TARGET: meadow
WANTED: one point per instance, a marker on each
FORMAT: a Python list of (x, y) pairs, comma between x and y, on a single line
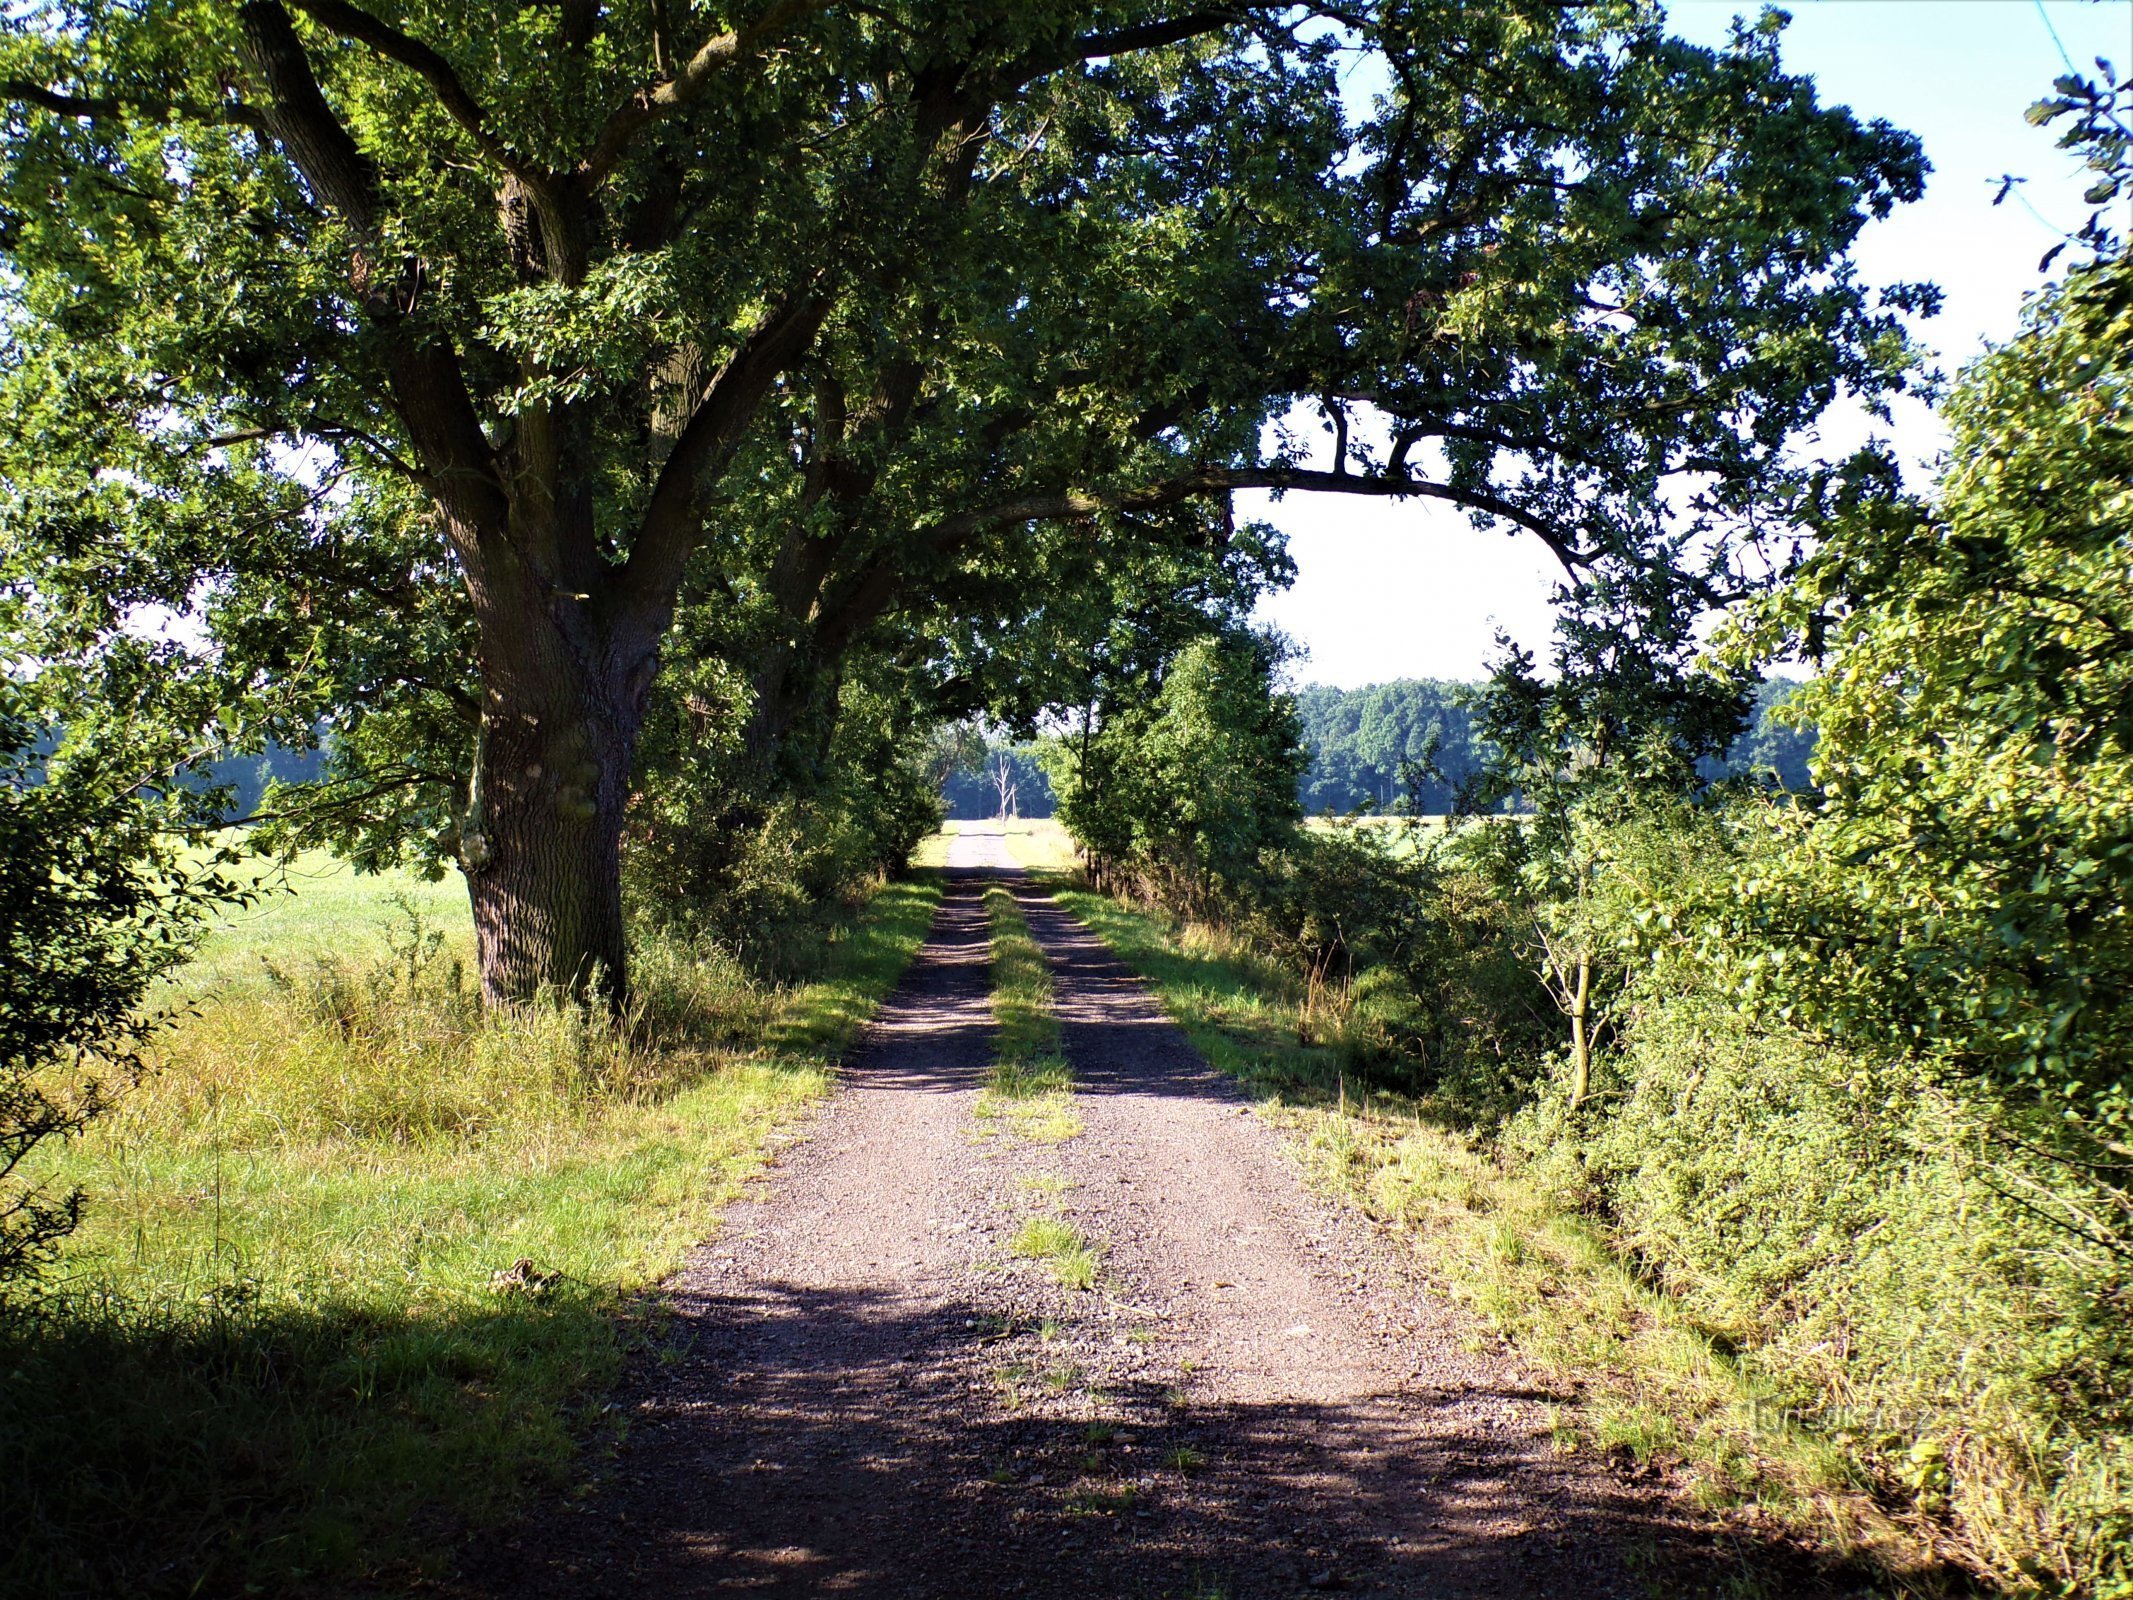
[(360, 1259)]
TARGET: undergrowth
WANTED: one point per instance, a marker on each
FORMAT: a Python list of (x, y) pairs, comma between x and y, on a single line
[(360, 1257), (1651, 1383)]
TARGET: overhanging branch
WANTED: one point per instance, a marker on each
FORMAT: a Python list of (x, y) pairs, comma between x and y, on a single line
[(116, 108), (953, 531), (663, 99)]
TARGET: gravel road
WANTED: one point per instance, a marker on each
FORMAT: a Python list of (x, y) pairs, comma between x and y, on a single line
[(868, 1394)]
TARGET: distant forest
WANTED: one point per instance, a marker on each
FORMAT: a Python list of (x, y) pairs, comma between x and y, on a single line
[(246, 777), (1360, 739)]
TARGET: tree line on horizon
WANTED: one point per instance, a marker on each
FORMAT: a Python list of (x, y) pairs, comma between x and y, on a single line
[(1406, 745)]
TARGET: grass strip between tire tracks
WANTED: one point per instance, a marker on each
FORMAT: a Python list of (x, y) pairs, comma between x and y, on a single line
[(1029, 1088)]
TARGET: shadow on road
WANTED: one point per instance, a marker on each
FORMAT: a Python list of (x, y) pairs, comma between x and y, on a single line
[(803, 1443)]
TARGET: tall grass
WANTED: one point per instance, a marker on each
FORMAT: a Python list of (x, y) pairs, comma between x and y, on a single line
[(361, 1257)]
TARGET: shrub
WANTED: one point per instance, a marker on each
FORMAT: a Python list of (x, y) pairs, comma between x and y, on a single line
[(1178, 798), (94, 907)]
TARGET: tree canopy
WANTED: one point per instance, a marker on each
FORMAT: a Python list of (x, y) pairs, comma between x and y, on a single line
[(408, 370)]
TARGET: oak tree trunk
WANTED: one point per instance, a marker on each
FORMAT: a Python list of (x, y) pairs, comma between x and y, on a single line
[(542, 840)]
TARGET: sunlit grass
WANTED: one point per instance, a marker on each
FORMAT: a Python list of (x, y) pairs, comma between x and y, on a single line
[(318, 905), (1029, 1087), (289, 1338), (1070, 1257)]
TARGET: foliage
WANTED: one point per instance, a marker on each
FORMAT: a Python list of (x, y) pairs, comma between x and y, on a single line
[(95, 906), (1184, 793), (1888, 1247), (432, 362), (1963, 890), (1777, 749), (764, 873)]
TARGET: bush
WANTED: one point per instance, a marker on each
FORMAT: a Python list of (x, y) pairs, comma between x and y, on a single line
[(766, 873), (94, 907), (1910, 1254)]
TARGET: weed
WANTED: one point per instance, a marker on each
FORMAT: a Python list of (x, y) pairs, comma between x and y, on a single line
[(1007, 1383), (1184, 1459), (1101, 1502), (1073, 1260)]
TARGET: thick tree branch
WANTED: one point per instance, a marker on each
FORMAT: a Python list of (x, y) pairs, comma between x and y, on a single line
[(874, 589), (429, 389), (662, 100), (1122, 41), (352, 22), (299, 119), (952, 532), (640, 601), (114, 108)]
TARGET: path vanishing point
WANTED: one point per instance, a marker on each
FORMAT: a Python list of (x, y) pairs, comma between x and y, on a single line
[(866, 1394)]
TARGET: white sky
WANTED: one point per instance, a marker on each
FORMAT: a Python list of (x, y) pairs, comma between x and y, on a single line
[(1389, 590)]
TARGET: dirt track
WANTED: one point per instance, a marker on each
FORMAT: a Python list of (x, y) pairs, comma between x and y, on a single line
[(869, 1396)]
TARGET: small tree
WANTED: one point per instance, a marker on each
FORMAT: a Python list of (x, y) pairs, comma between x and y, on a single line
[(1626, 716), (94, 907), (1185, 790)]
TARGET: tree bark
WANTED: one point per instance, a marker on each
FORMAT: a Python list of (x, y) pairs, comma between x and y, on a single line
[(542, 840), (1580, 1035)]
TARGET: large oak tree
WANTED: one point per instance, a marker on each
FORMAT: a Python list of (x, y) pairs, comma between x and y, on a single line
[(404, 367)]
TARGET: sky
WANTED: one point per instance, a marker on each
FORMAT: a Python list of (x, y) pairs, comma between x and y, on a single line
[(1388, 590)]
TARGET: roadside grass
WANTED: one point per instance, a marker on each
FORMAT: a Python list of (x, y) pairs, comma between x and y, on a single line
[(360, 1259), (1072, 1260), (1028, 1088), (1648, 1384)]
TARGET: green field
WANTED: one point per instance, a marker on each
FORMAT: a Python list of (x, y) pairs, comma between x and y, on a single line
[(317, 906), (359, 1258)]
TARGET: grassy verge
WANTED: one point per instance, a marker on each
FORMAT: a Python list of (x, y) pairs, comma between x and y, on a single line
[(1652, 1387), (1028, 1089), (360, 1259)]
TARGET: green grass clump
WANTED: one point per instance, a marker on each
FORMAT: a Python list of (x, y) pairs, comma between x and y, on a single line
[(1029, 1087), (360, 1258), (1071, 1258)]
